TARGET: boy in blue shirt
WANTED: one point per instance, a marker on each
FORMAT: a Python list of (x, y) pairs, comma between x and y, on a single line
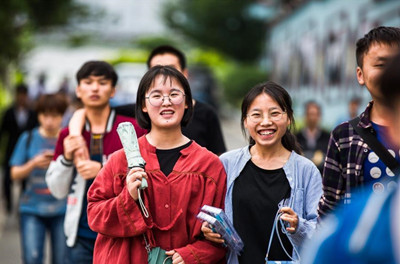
[(39, 211)]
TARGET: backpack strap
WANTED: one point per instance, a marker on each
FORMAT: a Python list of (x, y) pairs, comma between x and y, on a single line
[(376, 146), (28, 143)]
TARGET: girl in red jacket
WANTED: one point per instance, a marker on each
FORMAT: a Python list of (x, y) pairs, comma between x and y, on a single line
[(181, 175)]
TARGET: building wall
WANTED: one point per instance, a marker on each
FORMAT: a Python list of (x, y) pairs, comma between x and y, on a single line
[(312, 52), (125, 18)]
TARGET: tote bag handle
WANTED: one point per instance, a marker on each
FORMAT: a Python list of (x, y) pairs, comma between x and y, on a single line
[(275, 230)]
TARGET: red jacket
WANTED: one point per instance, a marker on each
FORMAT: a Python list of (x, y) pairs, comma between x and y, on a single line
[(173, 202)]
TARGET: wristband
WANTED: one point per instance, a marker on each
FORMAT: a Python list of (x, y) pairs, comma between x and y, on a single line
[(66, 162)]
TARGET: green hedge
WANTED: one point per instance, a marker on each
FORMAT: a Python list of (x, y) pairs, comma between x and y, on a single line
[(239, 80)]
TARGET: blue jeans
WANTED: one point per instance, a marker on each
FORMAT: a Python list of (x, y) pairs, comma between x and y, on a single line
[(81, 252), (33, 234)]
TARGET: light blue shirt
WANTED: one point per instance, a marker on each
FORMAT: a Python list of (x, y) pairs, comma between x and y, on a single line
[(36, 199), (306, 189)]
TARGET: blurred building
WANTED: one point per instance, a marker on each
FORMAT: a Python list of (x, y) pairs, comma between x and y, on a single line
[(311, 50), (123, 19), (112, 27)]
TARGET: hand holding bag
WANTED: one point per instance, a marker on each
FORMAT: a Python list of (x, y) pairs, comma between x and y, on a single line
[(275, 230), (157, 256)]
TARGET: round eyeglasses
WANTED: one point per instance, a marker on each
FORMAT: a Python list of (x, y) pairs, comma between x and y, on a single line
[(157, 99), (257, 117)]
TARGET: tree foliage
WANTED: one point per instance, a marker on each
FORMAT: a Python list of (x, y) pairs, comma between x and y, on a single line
[(239, 80), (11, 30), (226, 26), (20, 18)]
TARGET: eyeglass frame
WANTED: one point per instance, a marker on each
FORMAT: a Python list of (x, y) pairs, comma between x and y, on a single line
[(269, 116), (169, 98)]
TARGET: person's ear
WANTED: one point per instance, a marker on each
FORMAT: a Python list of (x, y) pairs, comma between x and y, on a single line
[(78, 91), (112, 92), (360, 76), (185, 72), (144, 108), (245, 123)]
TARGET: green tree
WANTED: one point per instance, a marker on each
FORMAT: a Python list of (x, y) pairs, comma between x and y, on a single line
[(225, 25), (239, 80), (19, 19)]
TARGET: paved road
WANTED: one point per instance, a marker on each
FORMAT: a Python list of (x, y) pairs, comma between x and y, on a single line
[(10, 252)]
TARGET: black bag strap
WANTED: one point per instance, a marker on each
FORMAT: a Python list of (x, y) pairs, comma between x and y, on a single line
[(376, 146)]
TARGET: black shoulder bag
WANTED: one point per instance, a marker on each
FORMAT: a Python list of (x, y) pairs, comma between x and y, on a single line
[(377, 147)]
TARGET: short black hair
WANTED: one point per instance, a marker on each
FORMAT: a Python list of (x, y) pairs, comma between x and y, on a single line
[(163, 49), (97, 68), (21, 88), (381, 35), (147, 81)]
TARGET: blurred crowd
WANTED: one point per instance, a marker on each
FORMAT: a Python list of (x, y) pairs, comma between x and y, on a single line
[(338, 186)]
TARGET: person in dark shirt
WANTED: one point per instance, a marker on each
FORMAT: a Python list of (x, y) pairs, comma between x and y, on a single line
[(204, 128), (312, 138), (16, 119)]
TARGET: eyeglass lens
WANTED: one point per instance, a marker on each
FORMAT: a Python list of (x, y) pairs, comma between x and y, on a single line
[(157, 98), (258, 117)]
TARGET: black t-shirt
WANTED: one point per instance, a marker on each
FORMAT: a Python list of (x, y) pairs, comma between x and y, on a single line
[(96, 154), (168, 157), (204, 128), (256, 195), (126, 110)]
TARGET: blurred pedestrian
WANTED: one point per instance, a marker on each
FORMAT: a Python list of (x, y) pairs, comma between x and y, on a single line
[(38, 88), (64, 87), (267, 177), (72, 177), (40, 212), (181, 176), (351, 162), (313, 139), (18, 118), (204, 128), (366, 231), (353, 110)]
